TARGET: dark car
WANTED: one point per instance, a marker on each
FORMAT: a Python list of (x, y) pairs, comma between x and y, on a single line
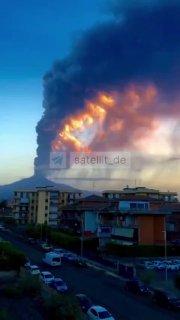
[(59, 285), (80, 263), (166, 299), (70, 257), (176, 242), (137, 287), (31, 241), (84, 302)]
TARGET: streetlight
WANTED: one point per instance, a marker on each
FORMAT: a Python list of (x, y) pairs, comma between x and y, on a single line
[(165, 254), (82, 234)]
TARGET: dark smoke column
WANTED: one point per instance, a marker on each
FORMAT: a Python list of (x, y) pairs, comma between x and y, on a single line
[(142, 48), (61, 97)]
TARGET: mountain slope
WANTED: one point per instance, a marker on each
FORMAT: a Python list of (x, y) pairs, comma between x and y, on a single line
[(6, 191)]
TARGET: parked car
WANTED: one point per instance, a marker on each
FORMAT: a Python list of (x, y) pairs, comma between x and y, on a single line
[(166, 299), (70, 257), (46, 247), (46, 277), (84, 302), (137, 287), (27, 263), (59, 285), (98, 312), (33, 269), (81, 263), (31, 241), (176, 242)]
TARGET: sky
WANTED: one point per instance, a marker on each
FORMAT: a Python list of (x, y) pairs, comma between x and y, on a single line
[(33, 35), (99, 75)]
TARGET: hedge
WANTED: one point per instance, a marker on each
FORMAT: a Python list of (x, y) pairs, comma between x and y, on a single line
[(177, 281), (113, 248), (64, 240), (10, 257)]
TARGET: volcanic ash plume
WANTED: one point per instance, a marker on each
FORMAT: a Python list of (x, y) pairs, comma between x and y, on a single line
[(107, 122), (119, 82)]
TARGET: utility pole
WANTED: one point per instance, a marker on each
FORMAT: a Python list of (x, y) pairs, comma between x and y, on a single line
[(82, 233), (165, 254)]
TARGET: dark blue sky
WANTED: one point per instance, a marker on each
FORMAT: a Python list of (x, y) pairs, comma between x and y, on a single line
[(33, 35), (142, 47)]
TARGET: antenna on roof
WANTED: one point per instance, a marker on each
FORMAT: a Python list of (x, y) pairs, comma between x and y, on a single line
[(93, 185)]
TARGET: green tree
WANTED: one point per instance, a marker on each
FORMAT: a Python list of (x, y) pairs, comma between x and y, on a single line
[(177, 281), (62, 307), (3, 204)]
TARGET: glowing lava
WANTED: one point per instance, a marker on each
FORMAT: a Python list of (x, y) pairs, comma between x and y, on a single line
[(109, 121)]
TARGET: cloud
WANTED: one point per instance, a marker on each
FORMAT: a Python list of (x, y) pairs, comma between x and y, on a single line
[(138, 45)]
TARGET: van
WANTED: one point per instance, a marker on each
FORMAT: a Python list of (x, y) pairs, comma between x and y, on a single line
[(52, 259)]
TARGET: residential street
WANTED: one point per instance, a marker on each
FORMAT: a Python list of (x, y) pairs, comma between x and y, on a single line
[(105, 290)]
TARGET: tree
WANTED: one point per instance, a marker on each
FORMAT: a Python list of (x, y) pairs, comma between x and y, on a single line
[(3, 204)]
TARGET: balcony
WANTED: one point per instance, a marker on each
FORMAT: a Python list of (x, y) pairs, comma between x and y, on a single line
[(53, 216), (119, 224), (54, 202), (54, 197), (143, 211)]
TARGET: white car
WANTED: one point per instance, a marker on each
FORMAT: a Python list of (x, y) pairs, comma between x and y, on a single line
[(149, 265), (98, 312), (46, 277), (33, 269), (27, 264)]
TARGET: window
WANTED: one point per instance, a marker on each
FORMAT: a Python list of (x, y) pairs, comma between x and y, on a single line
[(56, 259), (104, 315), (133, 205), (46, 200), (94, 312), (46, 214), (32, 207), (46, 207)]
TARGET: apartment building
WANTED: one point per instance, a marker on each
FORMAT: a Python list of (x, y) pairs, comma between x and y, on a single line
[(143, 214), (141, 192), (135, 222), (84, 214), (127, 219), (42, 205)]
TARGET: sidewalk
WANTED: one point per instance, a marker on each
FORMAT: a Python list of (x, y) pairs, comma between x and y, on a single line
[(166, 285), (107, 270)]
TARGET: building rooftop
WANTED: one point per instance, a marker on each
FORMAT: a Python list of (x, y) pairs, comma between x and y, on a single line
[(48, 189), (140, 190), (133, 190)]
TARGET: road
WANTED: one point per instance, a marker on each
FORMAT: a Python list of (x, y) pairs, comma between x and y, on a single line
[(103, 289)]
